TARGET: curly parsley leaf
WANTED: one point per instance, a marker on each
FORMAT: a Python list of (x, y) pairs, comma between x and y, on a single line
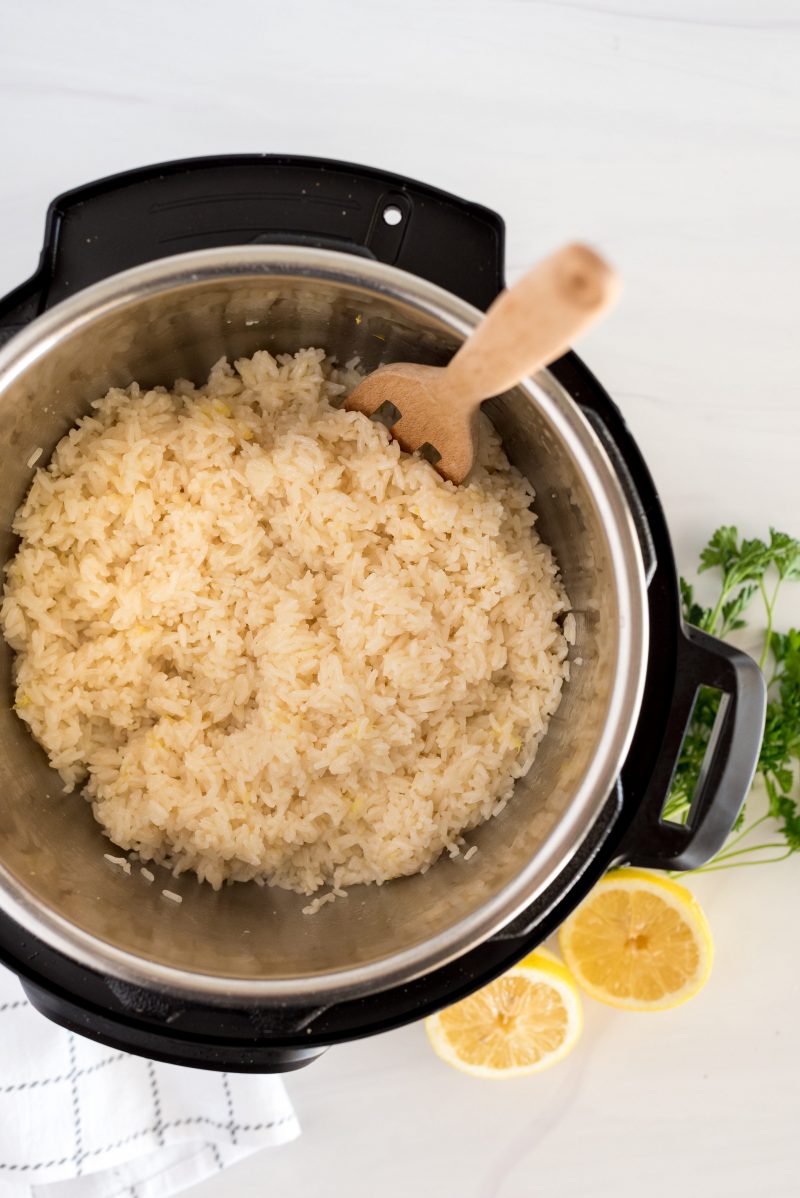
[(785, 552)]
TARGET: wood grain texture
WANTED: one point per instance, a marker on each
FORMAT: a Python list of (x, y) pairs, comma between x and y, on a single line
[(665, 131)]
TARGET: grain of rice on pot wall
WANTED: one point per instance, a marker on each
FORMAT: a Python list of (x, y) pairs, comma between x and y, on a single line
[(270, 645)]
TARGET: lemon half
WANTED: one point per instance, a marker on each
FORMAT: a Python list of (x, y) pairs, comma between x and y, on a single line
[(639, 941), (519, 1024)]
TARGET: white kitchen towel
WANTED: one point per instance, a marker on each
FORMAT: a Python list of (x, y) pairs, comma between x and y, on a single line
[(79, 1120)]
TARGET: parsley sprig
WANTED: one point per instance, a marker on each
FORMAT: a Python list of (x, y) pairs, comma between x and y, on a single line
[(748, 568)]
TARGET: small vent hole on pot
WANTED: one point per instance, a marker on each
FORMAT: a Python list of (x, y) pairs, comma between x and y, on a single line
[(697, 751), (392, 214)]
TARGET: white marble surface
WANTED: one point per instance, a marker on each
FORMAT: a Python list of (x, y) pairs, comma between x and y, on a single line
[(666, 130)]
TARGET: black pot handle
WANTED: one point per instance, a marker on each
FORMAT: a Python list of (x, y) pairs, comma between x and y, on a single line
[(202, 203), (729, 765)]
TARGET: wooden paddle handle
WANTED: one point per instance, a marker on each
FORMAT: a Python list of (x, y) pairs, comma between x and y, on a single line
[(531, 324)]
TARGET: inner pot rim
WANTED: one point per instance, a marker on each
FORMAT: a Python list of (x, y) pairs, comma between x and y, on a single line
[(199, 267)]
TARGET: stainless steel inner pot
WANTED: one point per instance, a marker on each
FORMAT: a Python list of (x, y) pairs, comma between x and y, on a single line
[(174, 318)]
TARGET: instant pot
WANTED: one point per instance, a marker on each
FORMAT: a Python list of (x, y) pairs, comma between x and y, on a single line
[(153, 275)]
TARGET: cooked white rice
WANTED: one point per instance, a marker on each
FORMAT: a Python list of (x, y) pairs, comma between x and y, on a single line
[(271, 645)]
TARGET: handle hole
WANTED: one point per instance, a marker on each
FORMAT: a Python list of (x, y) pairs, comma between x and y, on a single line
[(430, 453), (392, 215), (387, 414), (696, 753)]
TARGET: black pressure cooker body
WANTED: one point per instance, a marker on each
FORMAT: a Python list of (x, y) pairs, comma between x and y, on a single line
[(158, 211)]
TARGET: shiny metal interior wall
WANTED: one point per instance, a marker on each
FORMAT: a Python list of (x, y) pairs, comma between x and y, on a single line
[(174, 319)]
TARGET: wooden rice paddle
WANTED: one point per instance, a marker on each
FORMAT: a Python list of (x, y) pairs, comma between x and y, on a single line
[(435, 408)]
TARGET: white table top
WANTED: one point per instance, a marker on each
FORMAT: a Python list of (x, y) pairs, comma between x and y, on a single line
[(666, 131)]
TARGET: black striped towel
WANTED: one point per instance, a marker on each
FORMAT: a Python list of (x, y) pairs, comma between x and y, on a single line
[(78, 1120)]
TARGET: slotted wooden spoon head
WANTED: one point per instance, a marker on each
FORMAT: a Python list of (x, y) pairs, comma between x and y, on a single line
[(434, 409), (407, 398)]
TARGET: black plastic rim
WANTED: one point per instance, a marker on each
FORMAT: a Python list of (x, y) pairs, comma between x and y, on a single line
[(458, 245)]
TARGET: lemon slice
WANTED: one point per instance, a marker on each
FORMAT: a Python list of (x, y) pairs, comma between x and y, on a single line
[(520, 1023), (639, 941)]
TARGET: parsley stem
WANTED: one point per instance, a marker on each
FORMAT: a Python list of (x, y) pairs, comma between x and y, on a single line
[(712, 623), (675, 802), (713, 867), (753, 848), (729, 845), (746, 831), (770, 606)]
